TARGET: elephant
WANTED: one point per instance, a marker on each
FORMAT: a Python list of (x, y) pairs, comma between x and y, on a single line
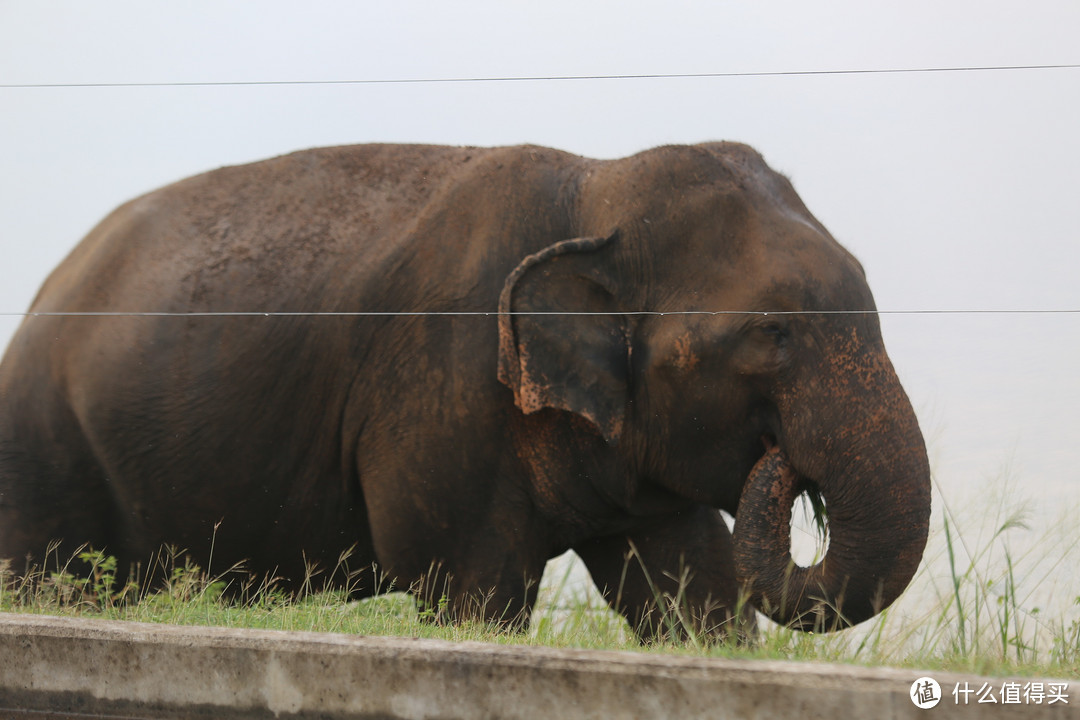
[(457, 363)]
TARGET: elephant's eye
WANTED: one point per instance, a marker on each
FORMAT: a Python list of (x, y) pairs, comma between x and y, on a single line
[(774, 330), (764, 349)]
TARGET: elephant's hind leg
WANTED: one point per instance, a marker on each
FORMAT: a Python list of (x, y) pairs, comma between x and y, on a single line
[(49, 504)]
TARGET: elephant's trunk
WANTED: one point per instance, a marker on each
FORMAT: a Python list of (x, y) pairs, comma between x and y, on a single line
[(872, 471)]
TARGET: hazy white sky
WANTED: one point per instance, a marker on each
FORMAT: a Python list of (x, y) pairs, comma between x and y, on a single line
[(957, 190)]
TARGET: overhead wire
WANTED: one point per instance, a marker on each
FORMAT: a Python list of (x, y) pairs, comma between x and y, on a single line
[(496, 313), (545, 78)]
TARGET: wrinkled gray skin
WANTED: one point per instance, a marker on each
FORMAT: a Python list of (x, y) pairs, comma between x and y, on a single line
[(459, 452)]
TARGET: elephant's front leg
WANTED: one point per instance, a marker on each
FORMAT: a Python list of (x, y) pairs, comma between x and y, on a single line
[(476, 562), (500, 591), (673, 578)]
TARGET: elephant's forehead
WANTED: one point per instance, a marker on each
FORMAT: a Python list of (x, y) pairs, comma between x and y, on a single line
[(776, 263), (681, 185), (713, 227)]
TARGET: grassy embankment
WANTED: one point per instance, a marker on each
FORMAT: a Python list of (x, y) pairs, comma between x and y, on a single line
[(970, 609)]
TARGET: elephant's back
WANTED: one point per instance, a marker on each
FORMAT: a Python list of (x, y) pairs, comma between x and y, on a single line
[(266, 236), (307, 231)]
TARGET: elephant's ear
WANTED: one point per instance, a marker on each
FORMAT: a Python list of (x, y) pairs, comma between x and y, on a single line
[(562, 342)]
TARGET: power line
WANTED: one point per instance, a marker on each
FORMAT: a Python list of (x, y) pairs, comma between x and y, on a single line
[(495, 313), (544, 78)]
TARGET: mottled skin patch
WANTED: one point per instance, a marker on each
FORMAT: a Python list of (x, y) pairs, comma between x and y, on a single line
[(521, 408), (685, 359)]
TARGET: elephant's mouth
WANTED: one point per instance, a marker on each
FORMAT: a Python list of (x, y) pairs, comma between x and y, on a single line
[(763, 538), (790, 482)]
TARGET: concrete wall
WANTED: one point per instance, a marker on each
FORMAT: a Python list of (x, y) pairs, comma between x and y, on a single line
[(70, 667)]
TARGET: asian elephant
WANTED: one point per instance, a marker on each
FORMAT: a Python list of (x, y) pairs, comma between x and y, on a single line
[(462, 362)]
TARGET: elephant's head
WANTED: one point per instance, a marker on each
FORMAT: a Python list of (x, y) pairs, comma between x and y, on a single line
[(764, 377)]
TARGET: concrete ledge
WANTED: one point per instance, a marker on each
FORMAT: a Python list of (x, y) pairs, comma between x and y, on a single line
[(69, 667)]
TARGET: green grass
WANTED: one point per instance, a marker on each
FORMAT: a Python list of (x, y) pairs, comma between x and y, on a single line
[(970, 609)]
